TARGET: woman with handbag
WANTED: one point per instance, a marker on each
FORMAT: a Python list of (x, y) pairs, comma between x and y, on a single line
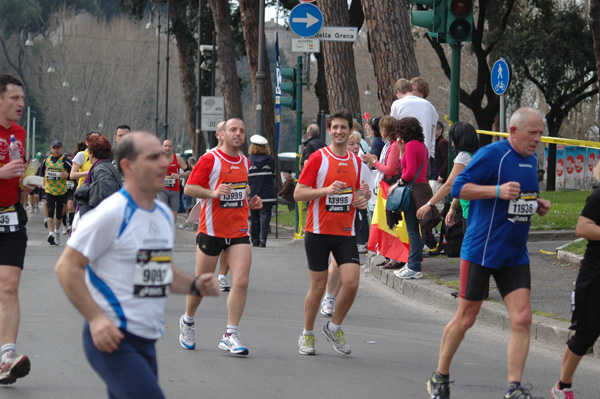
[(414, 158), (465, 141), (382, 238)]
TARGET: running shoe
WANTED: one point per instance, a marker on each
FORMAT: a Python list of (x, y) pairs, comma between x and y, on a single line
[(57, 238), (407, 273), (306, 345), (519, 393), (558, 393), (231, 343), (337, 339), (14, 367), (187, 334), (65, 229), (223, 285), (438, 387), (51, 238), (327, 306), (362, 248)]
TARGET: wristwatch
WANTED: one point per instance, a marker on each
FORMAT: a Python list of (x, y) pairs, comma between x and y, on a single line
[(429, 203)]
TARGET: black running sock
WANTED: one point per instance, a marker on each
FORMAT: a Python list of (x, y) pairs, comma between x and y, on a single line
[(513, 386), (562, 385), (64, 220), (71, 217)]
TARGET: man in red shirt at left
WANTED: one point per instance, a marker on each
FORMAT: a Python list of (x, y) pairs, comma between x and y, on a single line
[(13, 237)]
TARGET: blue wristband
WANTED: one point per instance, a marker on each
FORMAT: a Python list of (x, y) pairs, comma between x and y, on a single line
[(497, 191)]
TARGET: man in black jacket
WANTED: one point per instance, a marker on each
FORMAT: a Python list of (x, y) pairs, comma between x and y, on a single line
[(312, 144)]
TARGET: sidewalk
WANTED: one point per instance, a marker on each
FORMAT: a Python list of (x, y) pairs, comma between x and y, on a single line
[(552, 285)]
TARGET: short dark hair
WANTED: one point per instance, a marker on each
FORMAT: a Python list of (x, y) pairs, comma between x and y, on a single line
[(341, 114), (6, 80), (123, 127), (464, 137), (126, 149), (100, 147), (440, 126), (374, 123), (409, 129)]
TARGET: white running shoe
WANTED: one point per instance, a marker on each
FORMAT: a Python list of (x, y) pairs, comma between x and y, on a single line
[(409, 274), (306, 345), (13, 367), (327, 306), (337, 339), (65, 229), (233, 344), (51, 238), (187, 334), (57, 238), (223, 285)]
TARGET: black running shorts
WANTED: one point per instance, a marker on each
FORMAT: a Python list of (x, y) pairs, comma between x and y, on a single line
[(318, 247), (213, 246), (13, 245), (475, 280)]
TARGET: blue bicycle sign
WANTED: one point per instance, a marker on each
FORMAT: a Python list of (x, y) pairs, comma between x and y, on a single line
[(500, 76)]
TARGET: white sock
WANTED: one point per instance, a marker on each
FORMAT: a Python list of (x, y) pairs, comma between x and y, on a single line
[(221, 276), (6, 348), (231, 329), (333, 327), (187, 319), (329, 295), (306, 332)]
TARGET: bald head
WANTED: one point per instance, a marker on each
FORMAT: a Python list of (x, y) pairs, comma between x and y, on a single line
[(168, 147), (128, 146), (312, 130)]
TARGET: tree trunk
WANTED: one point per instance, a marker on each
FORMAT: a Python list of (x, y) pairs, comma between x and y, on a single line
[(321, 86), (187, 49), (228, 77), (391, 46), (595, 27), (342, 88), (249, 10)]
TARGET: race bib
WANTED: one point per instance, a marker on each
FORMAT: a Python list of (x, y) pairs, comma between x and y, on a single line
[(153, 274), (521, 209), (70, 184), (339, 202), (170, 182), (52, 174), (9, 220), (236, 198)]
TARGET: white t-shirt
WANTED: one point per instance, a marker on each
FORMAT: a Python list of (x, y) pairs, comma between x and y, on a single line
[(421, 109), (79, 158), (129, 249), (463, 158)]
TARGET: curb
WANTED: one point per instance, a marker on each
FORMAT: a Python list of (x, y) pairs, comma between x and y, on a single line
[(543, 329), (568, 257)]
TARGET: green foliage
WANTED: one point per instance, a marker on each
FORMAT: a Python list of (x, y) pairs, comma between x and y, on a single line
[(33, 15), (577, 247), (550, 44)]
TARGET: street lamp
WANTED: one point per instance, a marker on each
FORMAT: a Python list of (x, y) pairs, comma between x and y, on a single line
[(100, 125), (51, 68), (151, 26), (368, 91), (88, 113), (66, 82), (74, 98), (29, 41)]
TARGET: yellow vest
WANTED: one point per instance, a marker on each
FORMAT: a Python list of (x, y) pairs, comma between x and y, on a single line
[(87, 165), (53, 183)]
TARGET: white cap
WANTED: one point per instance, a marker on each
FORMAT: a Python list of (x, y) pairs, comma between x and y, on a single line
[(258, 140)]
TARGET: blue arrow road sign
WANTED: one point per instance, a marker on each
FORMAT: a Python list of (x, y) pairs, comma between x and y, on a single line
[(306, 20), (500, 76)]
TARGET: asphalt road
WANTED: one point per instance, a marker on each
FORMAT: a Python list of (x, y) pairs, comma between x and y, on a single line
[(394, 341)]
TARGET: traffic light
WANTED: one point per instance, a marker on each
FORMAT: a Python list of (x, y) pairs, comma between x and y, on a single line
[(460, 20), (289, 87), (434, 19)]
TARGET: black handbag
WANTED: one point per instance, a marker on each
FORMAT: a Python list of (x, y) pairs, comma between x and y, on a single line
[(399, 200)]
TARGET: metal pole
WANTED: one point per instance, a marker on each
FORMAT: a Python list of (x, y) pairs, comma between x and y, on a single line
[(260, 74), (157, 73), (199, 81), (213, 68), (454, 97), (502, 114), (28, 130), (33, 140), (298, 132), (167, 77)]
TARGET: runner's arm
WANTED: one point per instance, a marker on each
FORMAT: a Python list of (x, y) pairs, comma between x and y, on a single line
[(206, 283), (507, 191), (588, 229), (105, 334), (307, 193)]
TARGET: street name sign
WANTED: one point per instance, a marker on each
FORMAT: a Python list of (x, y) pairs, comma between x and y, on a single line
[(306, 46), (337, 34), (306, 20)]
